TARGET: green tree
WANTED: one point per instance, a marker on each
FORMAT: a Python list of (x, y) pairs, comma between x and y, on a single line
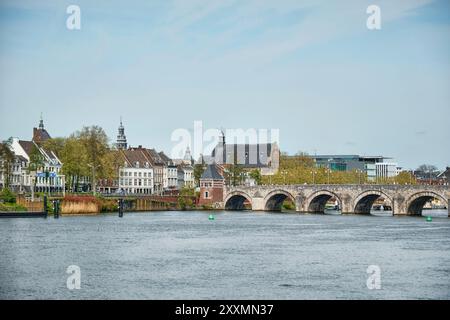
[(6, 160), (255, 174), (7, 196), (74, 159), (198, 171), (55, 144), (95, 144), (35, 164), (111, 163), (185, 198), (405, 177)]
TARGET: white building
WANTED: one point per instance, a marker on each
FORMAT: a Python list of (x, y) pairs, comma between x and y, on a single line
[(48, 176), (185, 176), (19, 180), (399, 170), (170, 174), (386, 169), (136, 176)]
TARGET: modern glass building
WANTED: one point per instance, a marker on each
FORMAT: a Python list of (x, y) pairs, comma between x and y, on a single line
[(367, 164)]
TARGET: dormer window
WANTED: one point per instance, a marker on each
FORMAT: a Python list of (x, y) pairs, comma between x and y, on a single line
[(147, 164), (136, 164)]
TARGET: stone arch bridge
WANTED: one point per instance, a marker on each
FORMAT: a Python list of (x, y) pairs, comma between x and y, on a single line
[(404, 199)]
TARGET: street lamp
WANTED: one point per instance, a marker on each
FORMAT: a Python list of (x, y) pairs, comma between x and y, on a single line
[(314, 176), (284, 173), (329, 169)]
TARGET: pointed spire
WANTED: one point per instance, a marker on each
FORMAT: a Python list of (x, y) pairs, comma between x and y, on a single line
[(41, 122), (187, 156), (222, 137), (121, 138)]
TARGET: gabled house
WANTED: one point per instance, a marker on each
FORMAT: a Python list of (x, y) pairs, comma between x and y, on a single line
[(158, 170), (48, 176), (170, 174), (136, 176)]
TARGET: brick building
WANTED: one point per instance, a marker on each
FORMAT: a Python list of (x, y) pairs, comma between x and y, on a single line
[(211, 186)]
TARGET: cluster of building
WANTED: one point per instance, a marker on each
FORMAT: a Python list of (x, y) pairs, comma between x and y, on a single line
[(48, 177), (146, 171), (143, 171)]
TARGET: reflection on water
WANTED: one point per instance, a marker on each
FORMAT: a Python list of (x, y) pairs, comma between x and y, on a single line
[(239, 255)]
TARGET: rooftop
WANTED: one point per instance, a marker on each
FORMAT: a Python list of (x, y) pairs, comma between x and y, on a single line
[(211, 173)]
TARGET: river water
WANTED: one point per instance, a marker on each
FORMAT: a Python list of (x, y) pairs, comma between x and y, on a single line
[(239, 255)]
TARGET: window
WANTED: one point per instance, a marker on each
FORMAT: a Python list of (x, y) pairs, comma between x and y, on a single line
[(206, 194)]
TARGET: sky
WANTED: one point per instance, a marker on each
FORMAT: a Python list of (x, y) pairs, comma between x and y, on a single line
[(311, 69)]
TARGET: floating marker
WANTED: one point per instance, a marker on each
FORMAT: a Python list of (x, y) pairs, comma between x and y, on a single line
[(429, 219), (211, 217)]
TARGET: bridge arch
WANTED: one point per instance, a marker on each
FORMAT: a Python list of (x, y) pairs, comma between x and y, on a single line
[(364, 201), (274, 199), (317, 201), (236, 200), (415, 203)]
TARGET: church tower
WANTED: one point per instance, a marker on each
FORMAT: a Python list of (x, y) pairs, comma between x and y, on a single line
[(40, 135), (121, 138), (187, 156)]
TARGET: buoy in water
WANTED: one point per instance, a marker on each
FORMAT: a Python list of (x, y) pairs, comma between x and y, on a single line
[(429, 219), (211, 217)]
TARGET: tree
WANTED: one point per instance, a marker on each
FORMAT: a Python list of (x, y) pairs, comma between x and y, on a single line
[(198, 171), (74, 159), (55, 144), (111, 163), (405, 177), (36, 163), (429, 171), (95, 144), (255, 174), (7, 196), (6, 160), (185, 198)]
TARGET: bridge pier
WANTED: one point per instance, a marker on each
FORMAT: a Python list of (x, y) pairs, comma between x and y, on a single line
[(399, 206), (258, 204), (347, 207), (301, 205)]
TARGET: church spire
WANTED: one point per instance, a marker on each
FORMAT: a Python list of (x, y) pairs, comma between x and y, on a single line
[(121, 138), (222, 137), (41, 123)]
